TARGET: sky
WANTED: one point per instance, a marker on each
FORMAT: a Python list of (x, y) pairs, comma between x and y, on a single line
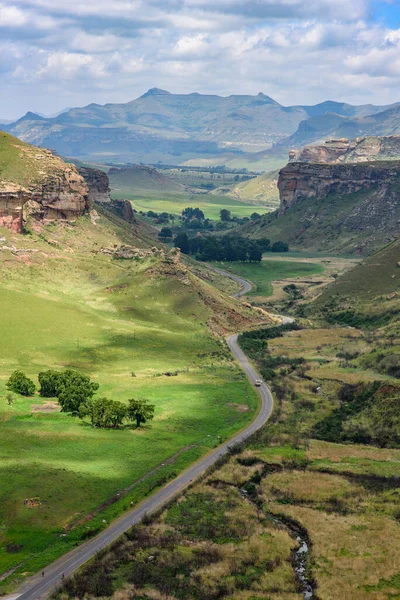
[(63, 53)]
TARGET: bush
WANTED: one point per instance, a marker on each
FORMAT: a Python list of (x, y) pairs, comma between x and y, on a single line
[(20, 383), (70, 387)]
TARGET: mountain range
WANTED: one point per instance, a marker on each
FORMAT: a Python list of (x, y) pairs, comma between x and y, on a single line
[(240, 130)]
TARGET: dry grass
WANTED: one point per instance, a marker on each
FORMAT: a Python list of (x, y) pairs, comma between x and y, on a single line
[(337, 452), (350, 552)]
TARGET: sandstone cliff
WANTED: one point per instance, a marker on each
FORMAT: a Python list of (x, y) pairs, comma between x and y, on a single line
[(301, 181), (35, 181), (98, 184), (362, 149)]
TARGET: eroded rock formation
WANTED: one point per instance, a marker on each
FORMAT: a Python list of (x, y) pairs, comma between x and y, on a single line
[(33, 180), (98, 184), (362, 149), (301, 181)]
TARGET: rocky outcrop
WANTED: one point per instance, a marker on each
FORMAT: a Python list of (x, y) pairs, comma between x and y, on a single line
[(301, 181), (126, 252), (123, 209), (330, 152), (63, 195), (98, 184), (362, 149), (34, 181)]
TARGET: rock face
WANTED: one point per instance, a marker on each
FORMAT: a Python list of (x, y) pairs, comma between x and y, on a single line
[(34, 181), (301, 180), (362, 149), (123, 209), (98, 184)]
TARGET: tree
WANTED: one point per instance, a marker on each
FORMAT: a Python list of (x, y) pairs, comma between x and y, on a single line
[(255, 254), (279, 247), (254, 216), (225, 214), (103, 412), (74, 389), (190, 213), (264, 244), (140, 411), (182, 241), (165, 232), (49, 383), (20, 383)]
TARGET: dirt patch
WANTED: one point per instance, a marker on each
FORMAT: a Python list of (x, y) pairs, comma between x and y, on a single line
[(47, 407), (241, 408)]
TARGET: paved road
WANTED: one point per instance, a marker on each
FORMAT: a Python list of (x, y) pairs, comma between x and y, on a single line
[(38, 587), (246, 285)]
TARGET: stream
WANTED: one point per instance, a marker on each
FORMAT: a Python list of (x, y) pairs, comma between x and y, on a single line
[(301, 556)]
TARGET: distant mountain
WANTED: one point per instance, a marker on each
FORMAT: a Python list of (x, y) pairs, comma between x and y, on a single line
[(320, 127), (176, 128)]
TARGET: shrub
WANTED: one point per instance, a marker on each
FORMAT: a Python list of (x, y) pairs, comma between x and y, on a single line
[(20, 383)]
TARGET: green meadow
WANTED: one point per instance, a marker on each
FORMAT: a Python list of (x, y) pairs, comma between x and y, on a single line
[(137, 332), (175, 203), (263, 274)]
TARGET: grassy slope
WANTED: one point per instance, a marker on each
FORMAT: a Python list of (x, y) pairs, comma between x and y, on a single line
[(22, 164), (143, 178), (368, 293), (320, 225), (68, 305), (262, 189)]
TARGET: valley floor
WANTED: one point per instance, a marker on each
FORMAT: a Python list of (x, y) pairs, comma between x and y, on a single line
[(237, 534), (138, 333)]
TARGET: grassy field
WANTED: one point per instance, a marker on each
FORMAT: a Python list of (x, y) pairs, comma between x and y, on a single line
[(126, 324), (262, 275), (210, 204), (219, 542)]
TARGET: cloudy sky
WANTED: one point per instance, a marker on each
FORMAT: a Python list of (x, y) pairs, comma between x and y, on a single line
[(63, 53)]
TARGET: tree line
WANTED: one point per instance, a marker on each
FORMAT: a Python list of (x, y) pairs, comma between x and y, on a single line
[(227, 248), (75, 392)]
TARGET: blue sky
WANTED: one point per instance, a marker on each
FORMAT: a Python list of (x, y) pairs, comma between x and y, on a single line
[(62, 53), (387, 12)]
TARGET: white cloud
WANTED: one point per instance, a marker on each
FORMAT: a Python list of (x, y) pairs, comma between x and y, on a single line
[(65, 52)]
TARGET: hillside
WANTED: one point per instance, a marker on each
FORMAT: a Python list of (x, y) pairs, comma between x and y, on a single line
[(261, 190), (174, 128), (97, 296), (344, 208), (142, 178), (370, 290)]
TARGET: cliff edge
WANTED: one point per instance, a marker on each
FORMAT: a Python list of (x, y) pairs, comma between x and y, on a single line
[(34, 180)]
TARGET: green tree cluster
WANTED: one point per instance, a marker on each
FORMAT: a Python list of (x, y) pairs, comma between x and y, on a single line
[(104, 412), (227, 248), (70, 387), (20, 383), (75, 395)]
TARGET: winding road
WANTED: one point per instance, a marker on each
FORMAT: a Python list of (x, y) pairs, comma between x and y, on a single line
[(41, 585)]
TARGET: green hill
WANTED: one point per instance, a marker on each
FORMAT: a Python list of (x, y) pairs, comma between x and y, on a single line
[(262, 189), (140, 327), (142, 178), (369, 293)]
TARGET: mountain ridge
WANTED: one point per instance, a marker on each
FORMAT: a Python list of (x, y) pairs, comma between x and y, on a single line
[(177, 128)]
